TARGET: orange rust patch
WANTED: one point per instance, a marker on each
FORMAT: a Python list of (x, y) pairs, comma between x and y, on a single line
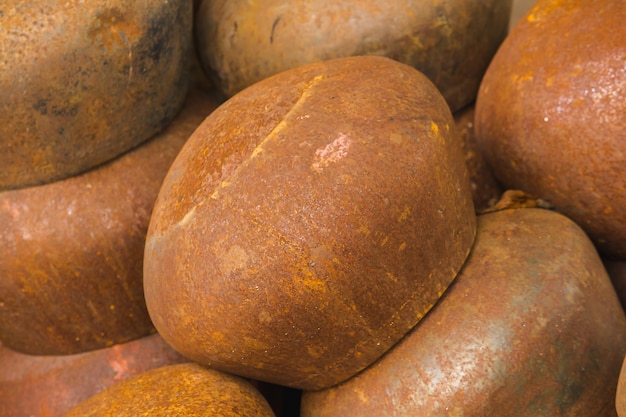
[(111, 29)]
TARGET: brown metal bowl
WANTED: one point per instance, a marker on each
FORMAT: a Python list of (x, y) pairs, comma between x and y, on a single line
[(177, 390), (72, 250), (451, 41), (551, 114), (530, 327), (309, 223), (84, 82), (49, 386)]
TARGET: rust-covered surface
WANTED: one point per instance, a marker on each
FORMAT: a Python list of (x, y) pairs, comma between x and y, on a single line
[(516, 199), (49, 386), (530, 327), (71, 252), (309, 223), (177, 390), (84, 82), (551, 114), (451, 41), (485, 189)]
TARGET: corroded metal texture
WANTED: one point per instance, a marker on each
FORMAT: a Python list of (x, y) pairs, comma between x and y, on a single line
[(551, 114), (485, 188), (309, 223), (84, 82), (71, 251), (531, 327), (49, 386), (177, 390), (451, 41)]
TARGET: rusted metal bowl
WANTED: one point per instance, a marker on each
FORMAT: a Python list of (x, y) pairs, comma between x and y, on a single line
[(309, 223), (71, 251), (485, 188), (83, 82), (530, 327), (551, 114), (451, 41), (177, 390), (49, 386)]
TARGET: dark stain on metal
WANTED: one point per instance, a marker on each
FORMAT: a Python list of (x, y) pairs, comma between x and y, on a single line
[(274, 28)]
